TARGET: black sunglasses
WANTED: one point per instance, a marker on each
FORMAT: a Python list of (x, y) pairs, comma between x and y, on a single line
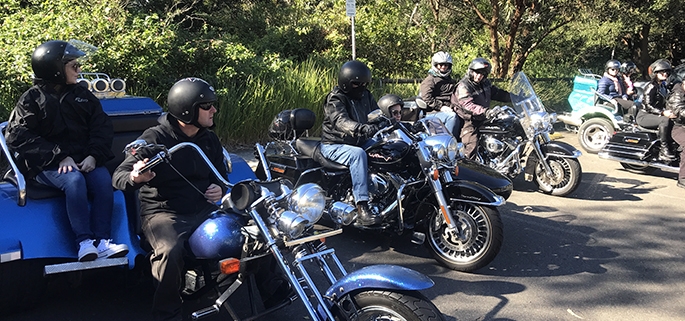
[(207, 106), (397, 112), (360, 84)]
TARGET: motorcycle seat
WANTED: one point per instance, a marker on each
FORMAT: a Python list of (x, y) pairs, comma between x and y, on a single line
[(312, 148)]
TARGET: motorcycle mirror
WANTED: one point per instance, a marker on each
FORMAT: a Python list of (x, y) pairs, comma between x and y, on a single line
[(374, 115), (422, 104), (133, 146)]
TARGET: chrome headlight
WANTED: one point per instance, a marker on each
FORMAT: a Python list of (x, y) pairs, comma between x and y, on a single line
[(309, 201), (292, 224), (443, 147)]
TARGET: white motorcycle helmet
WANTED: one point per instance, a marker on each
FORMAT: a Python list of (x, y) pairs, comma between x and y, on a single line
[(441, 57)]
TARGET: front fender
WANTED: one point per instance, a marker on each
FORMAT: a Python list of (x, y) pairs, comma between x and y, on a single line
[(384, 277), (472, 192), (560, 149), (473, 171)]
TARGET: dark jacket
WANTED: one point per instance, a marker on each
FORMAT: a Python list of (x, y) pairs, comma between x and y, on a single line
[(654, 98), (168, 192), (344, 117), (472, 99), (436, 91), (46, 127), (607, 86), (676, 103)]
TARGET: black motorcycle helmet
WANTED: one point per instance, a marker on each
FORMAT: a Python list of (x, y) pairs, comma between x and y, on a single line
[(186, 95), (481, 66), (354, 72), (659, 65), (628, 68), (612, 64), (49, 58), (388, 101)]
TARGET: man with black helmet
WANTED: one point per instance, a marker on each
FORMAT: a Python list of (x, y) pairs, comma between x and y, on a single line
[(437, 89), (62, 138), (472, 99), (170, 207), (653, 113), (345, 129)]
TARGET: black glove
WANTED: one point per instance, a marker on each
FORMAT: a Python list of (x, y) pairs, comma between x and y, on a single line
[(368, 130)]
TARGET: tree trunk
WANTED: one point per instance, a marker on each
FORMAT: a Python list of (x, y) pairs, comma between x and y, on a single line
[(642, 51), (494, 40)]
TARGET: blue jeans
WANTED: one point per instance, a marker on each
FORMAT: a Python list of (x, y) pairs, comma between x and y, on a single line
[(88, 221), (448, 118), (355, 158)]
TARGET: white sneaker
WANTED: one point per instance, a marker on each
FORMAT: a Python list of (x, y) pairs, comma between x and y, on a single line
[(109, 250), (87, 251)]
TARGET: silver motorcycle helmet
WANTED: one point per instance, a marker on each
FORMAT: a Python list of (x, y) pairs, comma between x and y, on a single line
[(441, 57), (218, 237)]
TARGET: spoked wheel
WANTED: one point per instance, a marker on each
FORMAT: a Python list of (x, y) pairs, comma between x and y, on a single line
[(566, 173), (475, 242), (389, 306), (594, 133), (642, 169)]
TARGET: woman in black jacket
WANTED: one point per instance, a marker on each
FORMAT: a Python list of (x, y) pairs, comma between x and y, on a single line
[(653, 114), (676, 104), (62, 138)]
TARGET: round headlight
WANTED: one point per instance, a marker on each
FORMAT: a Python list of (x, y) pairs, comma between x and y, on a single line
[(292, 224), (452, 149), (308, 200)]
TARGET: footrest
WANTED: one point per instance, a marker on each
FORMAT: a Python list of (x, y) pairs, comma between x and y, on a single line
[(81, 266)]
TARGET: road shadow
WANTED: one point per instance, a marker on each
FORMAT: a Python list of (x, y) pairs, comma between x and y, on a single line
[(546, 246), (598, 186)]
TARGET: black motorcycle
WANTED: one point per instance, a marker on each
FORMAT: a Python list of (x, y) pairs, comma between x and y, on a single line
[(637, 149), (260, 248), (412, 186), (515, 140)]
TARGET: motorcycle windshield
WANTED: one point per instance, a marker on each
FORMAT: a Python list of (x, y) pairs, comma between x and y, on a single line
[(534, 117)]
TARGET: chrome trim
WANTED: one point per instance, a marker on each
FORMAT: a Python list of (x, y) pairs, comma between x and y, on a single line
[(18, 176), (10, 256), (661, 166), (82, 266)]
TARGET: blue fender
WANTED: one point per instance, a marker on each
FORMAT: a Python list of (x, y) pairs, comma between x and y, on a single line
[(383, 277)]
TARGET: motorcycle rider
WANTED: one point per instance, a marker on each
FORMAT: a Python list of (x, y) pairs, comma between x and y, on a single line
[(653, 113), (613, 85), (62, 138), (676, 104), (170, 207), (391, 106), (436, 90), (472, 99), (345, 129), (628, 69)]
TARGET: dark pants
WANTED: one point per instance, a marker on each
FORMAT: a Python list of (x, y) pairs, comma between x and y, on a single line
[(661, 123), (678, 134), (469, 137), (168, 235)]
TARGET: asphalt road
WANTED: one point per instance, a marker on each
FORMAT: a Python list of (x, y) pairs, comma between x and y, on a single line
[(613, 250)]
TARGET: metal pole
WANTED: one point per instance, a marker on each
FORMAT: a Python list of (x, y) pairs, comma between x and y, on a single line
[(354, 50)]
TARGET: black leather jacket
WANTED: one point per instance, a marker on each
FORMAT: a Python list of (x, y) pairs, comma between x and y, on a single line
[(344, 117), (676, 103), (46, 127), (654, 98), (472, 100)]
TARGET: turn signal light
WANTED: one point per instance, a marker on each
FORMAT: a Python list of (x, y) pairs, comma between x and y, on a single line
[(229, 266), (456, 170), (436, 174)]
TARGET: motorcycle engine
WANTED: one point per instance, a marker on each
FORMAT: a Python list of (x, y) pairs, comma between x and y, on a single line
[(496, 149)]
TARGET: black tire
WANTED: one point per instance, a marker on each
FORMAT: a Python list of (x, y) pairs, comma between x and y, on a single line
[(479, 242), (21, 285), (640, 169), (594, 133), (567, 175), (390, 305)]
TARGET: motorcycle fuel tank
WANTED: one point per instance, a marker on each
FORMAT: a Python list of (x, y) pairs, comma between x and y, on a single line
[(388, 154), (499, 126)]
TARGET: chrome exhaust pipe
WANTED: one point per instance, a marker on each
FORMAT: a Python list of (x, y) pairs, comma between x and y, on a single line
[(661, 166)]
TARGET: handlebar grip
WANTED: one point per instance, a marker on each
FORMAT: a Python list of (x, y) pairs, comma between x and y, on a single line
[(159, 158)]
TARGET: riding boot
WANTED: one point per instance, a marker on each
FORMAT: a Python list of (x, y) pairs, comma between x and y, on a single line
[(365, 216), (665, 153), (681, 183)]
